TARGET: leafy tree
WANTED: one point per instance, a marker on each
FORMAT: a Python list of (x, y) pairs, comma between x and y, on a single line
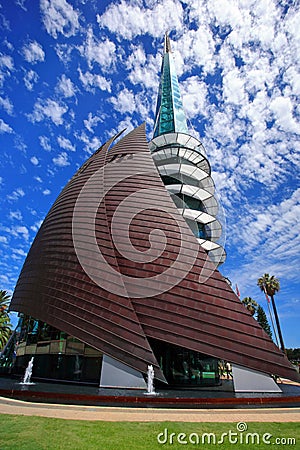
[(5, 325), (255, 309), (270, 285), (250, 304), (293, 354), (4, 301), (261, 318), (5, 331)]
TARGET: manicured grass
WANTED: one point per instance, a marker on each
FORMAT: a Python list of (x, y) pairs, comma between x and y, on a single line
[(37, 433)]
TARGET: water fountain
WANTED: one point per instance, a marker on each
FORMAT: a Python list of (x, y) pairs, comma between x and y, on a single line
[(28, 373), (150, 378)]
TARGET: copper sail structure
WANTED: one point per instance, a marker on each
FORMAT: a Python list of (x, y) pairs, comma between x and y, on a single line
[(117, 303), (117, 265)]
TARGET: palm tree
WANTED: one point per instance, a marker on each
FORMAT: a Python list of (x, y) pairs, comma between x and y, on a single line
[(270, 285), (5, 330), (5, 325), (250, 304), (4, 301)]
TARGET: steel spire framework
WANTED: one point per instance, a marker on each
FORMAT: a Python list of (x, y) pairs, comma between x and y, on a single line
[(182, 163), (170, 116)]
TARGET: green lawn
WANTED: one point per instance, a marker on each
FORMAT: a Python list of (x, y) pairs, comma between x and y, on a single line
[(36, 433)]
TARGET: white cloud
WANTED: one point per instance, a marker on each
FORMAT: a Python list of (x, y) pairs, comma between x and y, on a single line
[(66, 144), (45, 143), (15, 215), (91, 145), (20, 144), (59, 17), (276, 223), (16, 194), (124, 102), (20, 231), (36, 226), (4, 127), (194, 96), (91, 81), (19, 252), (91, 122), (66, 87), (195, 48), (291, 76), (282, 109), (268, 239), (48, 109), (21, 3), (6, 104), (38, 179), (3, 239), (143, 69), (64, 52), (4, 279), (95, 51), (34, 160), (30, 78), (126, 124), (233, 88), (61, 160), (128, 19), (6, 62), (33, 52), (46, 192)]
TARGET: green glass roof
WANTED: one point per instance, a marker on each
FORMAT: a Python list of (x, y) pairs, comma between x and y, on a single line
[(170, 116)]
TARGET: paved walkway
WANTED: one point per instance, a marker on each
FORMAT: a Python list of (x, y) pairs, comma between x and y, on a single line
[(79, 412)]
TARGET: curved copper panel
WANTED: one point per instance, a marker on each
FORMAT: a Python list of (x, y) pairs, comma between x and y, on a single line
[(115, 263), (54, 288)]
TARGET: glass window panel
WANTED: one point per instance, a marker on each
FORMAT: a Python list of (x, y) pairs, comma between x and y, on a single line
[(182, 152), (152, 146), (160, 140), (43, 347), (182, 138), (168, 152), (171, 138), (188, 154), (58, 347), (193, 143), (30, 349), (90, 351), (74, 347), (21, 350)]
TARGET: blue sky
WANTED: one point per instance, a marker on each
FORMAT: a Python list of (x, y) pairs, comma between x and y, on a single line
[(72, 73)]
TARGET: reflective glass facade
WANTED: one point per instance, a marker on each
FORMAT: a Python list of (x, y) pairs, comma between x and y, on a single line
[(57, 356), (186, 368), (170, 116)]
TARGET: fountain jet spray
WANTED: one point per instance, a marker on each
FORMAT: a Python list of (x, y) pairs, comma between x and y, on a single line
[(28, 373)]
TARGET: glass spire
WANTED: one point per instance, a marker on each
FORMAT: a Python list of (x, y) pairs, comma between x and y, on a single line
[(170, 116)]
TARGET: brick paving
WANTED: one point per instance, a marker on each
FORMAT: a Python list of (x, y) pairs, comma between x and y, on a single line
[(121, 414)]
